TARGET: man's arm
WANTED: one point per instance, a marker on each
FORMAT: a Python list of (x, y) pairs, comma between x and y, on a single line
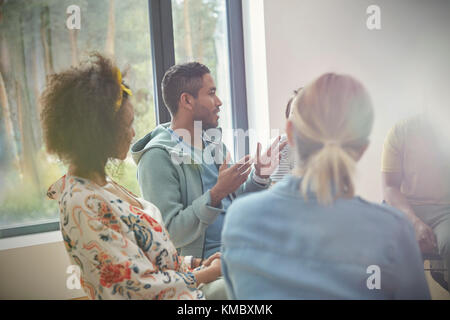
[(392, 195), (391, 182), (160, 184), (392, 176)]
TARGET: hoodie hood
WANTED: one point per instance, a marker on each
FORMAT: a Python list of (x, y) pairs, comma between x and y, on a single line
[(160, 137)]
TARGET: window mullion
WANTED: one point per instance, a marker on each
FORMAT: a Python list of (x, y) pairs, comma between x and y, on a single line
[(237, 72), (163, 51)]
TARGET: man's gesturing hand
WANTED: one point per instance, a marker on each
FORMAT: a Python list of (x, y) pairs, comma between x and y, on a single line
[(267, 163), (230, 179)]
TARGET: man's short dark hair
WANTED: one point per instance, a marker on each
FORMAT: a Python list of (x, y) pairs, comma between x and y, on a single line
[(180, 78), (287, 112)]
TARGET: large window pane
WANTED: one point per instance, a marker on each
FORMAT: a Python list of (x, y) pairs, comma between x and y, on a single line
[(35, 42), (200, 34)]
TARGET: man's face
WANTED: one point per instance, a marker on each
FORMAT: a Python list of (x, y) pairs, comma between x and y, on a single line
[(206, 106)]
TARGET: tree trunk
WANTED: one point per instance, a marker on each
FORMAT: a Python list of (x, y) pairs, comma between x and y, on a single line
[(109, 45), (46, 38), (200, 43), (5, 65), (28, 155), (5, 71), (73, 34), (26, 122), (9, 128), (35, 80), (187, 28)]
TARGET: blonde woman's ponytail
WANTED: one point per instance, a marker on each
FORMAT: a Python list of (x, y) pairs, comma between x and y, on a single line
[(329, 172), (332, 118)]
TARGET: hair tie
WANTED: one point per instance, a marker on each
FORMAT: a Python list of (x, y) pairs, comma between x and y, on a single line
[(122, 89)]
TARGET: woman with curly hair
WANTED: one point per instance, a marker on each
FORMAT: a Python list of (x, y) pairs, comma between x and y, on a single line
[(117, 239)]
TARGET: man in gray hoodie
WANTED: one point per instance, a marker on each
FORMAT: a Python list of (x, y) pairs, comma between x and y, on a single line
[(184, 168)]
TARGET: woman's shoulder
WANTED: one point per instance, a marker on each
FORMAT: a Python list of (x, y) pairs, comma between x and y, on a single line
[(381, 213), (283, 190), (68, 187), (250, 207), (81, 194)]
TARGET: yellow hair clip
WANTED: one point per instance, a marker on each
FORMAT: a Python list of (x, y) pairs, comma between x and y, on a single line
[(122, 88)]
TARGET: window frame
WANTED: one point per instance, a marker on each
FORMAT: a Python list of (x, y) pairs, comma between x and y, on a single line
[(30, 228), (238, 85), (163, 51), (163, 57)]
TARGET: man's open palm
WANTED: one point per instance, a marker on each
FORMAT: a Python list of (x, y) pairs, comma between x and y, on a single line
[(266, 163)]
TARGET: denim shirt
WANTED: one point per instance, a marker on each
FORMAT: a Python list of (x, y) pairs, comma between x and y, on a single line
[(276, 245)]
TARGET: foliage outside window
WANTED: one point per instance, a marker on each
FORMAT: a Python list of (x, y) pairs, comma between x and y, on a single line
[(35, 42)]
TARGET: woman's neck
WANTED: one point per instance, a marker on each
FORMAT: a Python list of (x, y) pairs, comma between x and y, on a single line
[(96, 177)]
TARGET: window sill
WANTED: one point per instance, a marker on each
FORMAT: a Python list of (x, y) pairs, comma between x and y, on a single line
[(30, 240)]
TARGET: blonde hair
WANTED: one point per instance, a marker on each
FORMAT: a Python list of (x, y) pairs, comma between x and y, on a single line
[(333, 118)]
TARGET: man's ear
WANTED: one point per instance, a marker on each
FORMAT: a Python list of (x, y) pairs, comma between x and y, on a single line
[(186, 101), (290, 132)]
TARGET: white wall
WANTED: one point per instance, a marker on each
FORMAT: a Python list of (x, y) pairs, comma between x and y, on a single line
[(305, 38), (35, 268), (256, 71)]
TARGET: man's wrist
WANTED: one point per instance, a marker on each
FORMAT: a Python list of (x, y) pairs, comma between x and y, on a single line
[(260, 180), (411, 215), (215, 197)]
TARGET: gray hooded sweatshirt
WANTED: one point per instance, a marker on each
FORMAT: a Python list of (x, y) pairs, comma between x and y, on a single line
[(175, 186)]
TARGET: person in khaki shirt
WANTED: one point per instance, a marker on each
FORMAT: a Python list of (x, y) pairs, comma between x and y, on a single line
[(416, 179)]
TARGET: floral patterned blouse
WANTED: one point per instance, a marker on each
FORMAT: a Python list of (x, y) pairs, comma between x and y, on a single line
[(124, 252)]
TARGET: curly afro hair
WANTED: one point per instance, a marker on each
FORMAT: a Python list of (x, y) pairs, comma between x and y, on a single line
[(78, 117)]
